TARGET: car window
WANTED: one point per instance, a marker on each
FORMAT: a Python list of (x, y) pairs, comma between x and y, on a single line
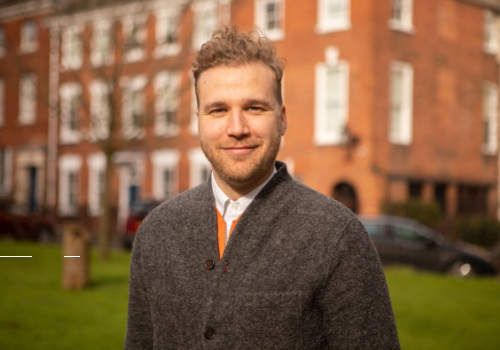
[(406, 233), (374, 229)]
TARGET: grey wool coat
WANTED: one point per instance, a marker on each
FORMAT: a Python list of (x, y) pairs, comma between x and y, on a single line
[(299, 272)]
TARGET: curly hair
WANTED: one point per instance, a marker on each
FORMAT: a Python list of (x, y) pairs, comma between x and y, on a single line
[(229, 47)]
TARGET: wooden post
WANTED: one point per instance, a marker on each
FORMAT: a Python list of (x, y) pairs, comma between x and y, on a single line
[(76, 248)]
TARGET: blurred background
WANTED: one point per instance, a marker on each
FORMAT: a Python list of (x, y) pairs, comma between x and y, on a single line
[(392, 109)]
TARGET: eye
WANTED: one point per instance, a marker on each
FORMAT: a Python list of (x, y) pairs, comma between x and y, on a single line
[(217, 111), (255, 109)]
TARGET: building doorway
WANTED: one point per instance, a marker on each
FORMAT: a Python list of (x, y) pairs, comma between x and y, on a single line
[(345, 194)]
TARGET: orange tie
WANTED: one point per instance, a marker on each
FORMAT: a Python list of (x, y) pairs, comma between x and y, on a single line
[(221, 232)]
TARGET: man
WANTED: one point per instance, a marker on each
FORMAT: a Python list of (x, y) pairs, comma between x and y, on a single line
[(252, 259)]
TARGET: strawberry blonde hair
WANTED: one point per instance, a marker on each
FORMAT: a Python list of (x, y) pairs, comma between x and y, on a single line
[(229, 47)]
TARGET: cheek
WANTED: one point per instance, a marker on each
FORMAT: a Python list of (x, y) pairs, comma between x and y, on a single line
[(211, 130)]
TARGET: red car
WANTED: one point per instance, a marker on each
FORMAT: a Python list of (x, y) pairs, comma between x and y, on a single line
[(16, 221), (138, 213)]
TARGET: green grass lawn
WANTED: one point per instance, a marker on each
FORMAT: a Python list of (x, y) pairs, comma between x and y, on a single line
[(432, 311)]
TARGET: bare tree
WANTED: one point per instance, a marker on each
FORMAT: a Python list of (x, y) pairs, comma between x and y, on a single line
[(128, 57)]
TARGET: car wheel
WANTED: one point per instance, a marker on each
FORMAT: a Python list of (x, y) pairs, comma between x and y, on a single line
[(461, 269)]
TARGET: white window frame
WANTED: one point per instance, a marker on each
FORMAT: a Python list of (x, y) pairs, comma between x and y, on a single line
[(167, 21), (100, 110), (490, 118), (167, 98), (130, 24), (2, 102), (402, 135), (327, 24), (405, 22), (97, 166), (6, 167), (102, 44), (165, 159), (29, 40), (67, 93), (205, 21), (27, 99), (72, 47), (131, 85), (3, 42), (274, 34), (322, 135), (198, 163), (68, 163), (490, 36)]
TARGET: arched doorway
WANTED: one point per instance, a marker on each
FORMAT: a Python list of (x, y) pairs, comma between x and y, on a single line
[(345, 194)]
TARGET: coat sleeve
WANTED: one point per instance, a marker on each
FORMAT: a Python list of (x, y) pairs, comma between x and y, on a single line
[(139, 324), (355, 303)]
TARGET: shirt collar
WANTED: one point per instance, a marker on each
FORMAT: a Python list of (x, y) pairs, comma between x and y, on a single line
[(222, 201)]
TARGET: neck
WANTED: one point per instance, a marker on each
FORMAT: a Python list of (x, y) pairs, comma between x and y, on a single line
[(237, 190)]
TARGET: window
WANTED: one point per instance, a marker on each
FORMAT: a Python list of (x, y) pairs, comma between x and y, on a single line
[(167, 103), (71, 46), (332, 99), (402, 16), (333, 15), (401, 103), (490, 42), (490, 117), (135, 38), (29, 33), (200, 167), (270, 16), (167, 33), (205, 22), (27, 99), (165, 163), (97, 173), (100, 110), (2, 102), (133, 107), (69, 168), (2, 42), (70, 113), (415, 189), (102, 44), (5, 171)]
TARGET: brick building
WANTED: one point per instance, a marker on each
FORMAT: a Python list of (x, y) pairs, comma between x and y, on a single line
[(386, 100)]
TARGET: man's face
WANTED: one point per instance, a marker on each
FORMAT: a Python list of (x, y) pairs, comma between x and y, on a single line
[(240, 122)]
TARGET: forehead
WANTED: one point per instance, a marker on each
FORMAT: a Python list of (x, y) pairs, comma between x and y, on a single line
[(256, 79)]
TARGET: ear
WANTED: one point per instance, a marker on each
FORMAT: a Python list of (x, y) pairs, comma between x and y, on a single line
[(283, 120)]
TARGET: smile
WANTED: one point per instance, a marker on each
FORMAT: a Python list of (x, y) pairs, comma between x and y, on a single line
[(239, 150)]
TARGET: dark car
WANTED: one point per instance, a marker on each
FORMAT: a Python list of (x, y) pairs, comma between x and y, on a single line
[(138, 213), (18, 222), (404, 241)]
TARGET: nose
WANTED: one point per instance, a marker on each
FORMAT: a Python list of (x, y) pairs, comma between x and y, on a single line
[(237, 124)]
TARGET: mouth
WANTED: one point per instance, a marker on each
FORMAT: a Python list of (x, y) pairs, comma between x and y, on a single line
[(239, 150)]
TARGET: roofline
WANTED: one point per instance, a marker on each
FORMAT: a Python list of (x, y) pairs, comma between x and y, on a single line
[(493, 5), (27, 8)]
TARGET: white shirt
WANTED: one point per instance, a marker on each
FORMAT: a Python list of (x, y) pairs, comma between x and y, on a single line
[(231, 210)]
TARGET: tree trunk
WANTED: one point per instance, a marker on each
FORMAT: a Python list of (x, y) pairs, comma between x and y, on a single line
[(105, 221), (76, 248)]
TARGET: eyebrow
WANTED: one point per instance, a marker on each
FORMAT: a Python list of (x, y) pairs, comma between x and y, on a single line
[(247, 102), (216, 104), (254, 101)]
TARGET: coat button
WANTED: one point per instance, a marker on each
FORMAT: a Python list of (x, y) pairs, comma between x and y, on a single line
[(209, 333), (209, 264)]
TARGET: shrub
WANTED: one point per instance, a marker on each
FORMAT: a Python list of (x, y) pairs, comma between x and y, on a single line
[(427, 213), (480, 230)]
